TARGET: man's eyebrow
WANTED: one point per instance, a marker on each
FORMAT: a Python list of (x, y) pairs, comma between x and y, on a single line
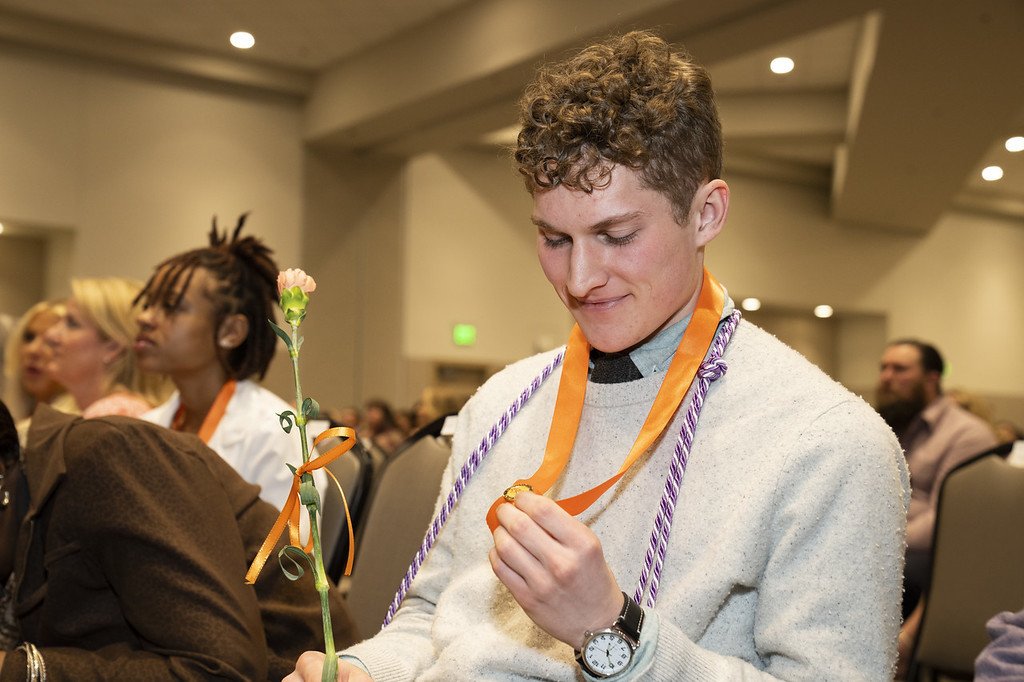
[(600, 226)]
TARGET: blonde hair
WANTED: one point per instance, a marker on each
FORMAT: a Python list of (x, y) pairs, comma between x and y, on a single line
[(18, 401), (108, 303)]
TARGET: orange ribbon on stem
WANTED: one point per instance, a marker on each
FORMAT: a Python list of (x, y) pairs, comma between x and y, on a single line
[(289, 516)]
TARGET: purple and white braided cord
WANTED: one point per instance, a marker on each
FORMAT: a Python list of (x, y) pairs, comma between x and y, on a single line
[(710, 370), (467, 471)]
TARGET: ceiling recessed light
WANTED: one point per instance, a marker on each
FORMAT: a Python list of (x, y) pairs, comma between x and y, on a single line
[(782, 65), (823, 311), (1, 228), (242, 40), (1015, 144), (992, 173), (751, 304)]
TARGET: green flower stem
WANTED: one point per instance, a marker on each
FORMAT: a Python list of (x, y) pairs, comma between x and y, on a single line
[(300, 417), (330, 670)]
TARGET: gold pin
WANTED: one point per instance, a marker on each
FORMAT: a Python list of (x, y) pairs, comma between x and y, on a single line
[(513, 490)]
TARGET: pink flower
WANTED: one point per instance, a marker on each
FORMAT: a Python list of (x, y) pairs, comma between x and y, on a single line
[(294, 277)]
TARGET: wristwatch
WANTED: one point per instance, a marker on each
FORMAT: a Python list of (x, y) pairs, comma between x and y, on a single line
[(610, 651)]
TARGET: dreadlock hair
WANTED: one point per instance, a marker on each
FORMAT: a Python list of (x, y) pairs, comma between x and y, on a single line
[(246, 283)]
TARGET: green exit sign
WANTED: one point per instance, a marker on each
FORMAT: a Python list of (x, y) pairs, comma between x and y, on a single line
[(464, 334)]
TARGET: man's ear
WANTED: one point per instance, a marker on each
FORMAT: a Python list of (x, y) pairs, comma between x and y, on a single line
[(233, 331), (712, 209)]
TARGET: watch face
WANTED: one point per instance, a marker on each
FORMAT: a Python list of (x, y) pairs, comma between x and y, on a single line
[(607, 653)]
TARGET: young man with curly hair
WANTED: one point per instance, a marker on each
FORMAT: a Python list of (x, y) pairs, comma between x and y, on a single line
[(706, 505)]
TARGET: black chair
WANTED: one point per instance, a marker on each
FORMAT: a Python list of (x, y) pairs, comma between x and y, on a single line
[(401, 511), (354, 471), (977, 560)]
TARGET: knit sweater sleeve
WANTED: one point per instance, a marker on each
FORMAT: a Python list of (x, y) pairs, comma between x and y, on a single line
[(828, 597)]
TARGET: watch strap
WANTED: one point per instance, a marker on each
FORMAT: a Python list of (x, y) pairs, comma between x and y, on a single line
[(631, 618)]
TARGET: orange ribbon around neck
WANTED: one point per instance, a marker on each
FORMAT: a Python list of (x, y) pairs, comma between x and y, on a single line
[(572, 388), (213, 417), (290, 514)]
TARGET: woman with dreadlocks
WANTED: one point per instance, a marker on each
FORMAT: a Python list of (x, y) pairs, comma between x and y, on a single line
[(204, 324)]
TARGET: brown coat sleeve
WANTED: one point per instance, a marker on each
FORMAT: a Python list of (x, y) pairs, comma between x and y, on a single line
[(143, 568)]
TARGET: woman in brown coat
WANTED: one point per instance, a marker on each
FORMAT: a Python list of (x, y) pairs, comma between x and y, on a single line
[(130, 557)]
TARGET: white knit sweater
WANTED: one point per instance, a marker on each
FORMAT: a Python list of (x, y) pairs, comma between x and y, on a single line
[(785, 558)]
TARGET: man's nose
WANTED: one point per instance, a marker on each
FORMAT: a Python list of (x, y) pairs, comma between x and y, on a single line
[(586, 270)]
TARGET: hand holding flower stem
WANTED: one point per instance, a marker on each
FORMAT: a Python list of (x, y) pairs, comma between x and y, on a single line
[(294, 287)]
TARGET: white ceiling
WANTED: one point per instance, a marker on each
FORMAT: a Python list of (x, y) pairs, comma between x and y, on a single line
[(894, 104)]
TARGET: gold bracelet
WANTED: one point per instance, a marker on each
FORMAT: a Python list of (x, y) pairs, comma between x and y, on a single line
[(35, 668)]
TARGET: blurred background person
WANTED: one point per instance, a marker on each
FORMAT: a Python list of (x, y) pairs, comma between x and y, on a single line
[(91, 350), (203, 322), (379, 426), (26, 357), (936, 435)]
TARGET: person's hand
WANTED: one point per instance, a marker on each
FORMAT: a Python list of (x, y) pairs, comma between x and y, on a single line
[(310, 667), (555, 568)]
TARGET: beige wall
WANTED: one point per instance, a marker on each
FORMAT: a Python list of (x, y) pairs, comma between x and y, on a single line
[(471, 258), (353, 242), (22, 260), (135, 168)]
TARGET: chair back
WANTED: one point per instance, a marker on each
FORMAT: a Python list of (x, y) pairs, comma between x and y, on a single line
[(977, 556), (398, 518), (354, 472)]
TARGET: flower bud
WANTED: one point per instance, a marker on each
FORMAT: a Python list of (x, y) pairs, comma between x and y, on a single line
[(294, 287)]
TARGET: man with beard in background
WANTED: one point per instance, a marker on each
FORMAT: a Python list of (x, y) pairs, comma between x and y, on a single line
[(936, 434)]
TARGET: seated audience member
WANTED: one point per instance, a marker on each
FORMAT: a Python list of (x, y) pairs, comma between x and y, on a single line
[(936, 434), (130, 544), (203, 323), (26, 358), (91, 351), (1003, 659), (379, 427), (789, 495), (345, 416)]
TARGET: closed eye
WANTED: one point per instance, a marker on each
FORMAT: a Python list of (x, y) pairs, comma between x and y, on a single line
[(554, 240), (620, 241)]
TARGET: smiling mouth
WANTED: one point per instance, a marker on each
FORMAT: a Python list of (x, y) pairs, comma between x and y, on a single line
[(603, 304)]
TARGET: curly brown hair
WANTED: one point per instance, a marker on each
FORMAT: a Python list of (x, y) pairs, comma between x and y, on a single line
[(633, 101), (246, 283)]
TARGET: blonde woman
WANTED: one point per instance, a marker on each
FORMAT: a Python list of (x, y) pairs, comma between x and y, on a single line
[(92, 355), (26, 357)]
